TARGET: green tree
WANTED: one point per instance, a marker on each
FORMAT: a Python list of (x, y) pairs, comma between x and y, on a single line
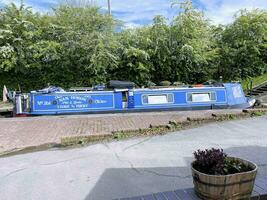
[(88, 41), (135, 62), (192, 40), (160, 50), (244, 45)]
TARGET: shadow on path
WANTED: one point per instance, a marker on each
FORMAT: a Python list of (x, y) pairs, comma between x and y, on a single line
[(128, 182)]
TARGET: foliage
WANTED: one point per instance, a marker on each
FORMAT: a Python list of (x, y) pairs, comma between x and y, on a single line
[(193, 41), (78, 45), (243, 46), (210, 161), (215, 162), (134, 62), (258, 80), (234, 166)]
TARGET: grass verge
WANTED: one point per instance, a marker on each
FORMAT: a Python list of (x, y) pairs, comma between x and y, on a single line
[(255, 81)]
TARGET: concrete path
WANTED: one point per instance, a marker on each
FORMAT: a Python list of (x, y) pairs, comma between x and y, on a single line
[(128, 168), (19, 133)]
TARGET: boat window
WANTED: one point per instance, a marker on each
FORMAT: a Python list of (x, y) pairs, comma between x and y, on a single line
[(157, 98), (201, 97)]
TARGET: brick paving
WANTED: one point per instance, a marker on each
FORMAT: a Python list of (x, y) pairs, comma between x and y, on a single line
[(18, 133)]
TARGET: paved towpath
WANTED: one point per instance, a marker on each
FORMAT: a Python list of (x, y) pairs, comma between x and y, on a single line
[(17, 133), (128, 168)]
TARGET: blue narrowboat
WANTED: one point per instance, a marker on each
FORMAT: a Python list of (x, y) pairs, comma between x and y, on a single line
[(56, 101)]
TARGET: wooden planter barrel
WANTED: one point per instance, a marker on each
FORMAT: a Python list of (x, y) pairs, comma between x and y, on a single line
[(222, 187)]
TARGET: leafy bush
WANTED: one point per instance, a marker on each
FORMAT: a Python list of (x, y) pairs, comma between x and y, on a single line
[(215, 162)]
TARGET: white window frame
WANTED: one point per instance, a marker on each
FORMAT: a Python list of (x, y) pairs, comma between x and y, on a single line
[(210, 93), (161, 94)]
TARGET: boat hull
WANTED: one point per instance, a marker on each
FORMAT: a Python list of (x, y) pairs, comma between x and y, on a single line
[(229, 96)]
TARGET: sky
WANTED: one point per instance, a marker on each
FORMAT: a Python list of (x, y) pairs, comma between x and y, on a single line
[(140, 12)]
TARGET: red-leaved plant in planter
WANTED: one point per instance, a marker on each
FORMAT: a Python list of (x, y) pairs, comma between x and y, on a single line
[(215, 162)]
